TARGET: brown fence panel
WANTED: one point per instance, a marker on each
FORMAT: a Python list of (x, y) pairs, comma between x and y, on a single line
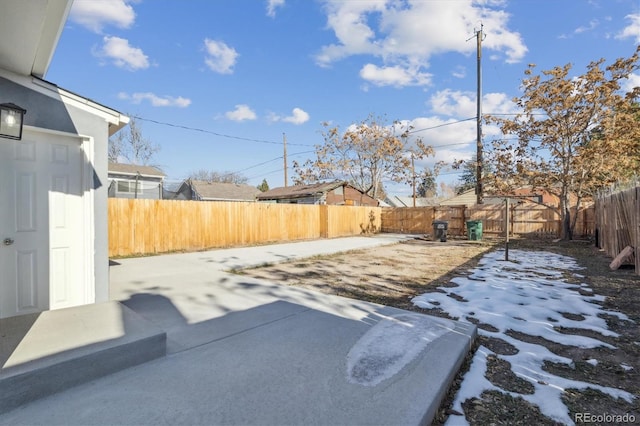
[(524, 219), (344, 221), (536, 220), (455, 215), (617, 218), (161, 226), (491, 215), (408, 220), (635, 224)]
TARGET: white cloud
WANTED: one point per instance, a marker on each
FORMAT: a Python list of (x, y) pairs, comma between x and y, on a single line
[(241, 113), (122, 54), (452, 129), (298, 116), (459, 72), (593, 24), (155, 100), (454, 103), (632, 30), (394, 76), (631, 82), (407, 34), (220, 57), (272, 5), (94, 15), (441, 133), (463, 105)]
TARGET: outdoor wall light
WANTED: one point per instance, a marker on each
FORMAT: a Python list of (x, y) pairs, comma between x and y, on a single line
[(11, 116)]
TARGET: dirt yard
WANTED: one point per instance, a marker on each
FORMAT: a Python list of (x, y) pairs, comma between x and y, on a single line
[(393, 275), (389, 275)]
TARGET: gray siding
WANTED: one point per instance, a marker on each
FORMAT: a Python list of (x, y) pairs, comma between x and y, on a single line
[(47, 112)]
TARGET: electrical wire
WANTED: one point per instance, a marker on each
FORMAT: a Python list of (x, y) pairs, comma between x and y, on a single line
[(442, 125), (194, 129), (272, 160), (210, 132)]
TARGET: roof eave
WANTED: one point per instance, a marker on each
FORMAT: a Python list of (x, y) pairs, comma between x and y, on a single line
[(51, 32)]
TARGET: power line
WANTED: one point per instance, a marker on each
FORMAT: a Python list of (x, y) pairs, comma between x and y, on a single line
[(442, 125), (272, 160), (265, 174), (210, 132)]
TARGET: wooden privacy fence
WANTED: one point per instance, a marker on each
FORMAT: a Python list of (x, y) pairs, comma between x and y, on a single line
[(524, 219), (161, 226), (618, 222)]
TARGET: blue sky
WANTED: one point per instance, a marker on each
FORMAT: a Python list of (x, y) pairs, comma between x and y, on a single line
[(244, 72)]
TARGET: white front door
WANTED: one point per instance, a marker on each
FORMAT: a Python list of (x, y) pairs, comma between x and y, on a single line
[(41, 223)]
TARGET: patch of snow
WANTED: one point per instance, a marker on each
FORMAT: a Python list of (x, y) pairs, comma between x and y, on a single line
[(391, 344), (592, 361), (626, 367), (473, 387), (527, 295)]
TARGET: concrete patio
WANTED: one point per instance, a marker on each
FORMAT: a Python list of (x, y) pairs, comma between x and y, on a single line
[(244, 351)]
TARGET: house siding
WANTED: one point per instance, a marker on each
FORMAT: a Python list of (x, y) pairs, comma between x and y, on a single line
[(340, 195), (349, 196), (52, 112), (42, 111), (318, 199), (150, 188), (98, 128)]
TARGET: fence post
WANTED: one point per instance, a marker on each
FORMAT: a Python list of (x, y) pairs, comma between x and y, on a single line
[(324, 221), (506, 229)]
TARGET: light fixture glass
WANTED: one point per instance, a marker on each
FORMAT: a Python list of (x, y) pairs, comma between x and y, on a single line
[(11, 116)]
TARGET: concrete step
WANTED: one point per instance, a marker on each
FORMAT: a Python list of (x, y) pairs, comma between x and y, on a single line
[(47, 352)]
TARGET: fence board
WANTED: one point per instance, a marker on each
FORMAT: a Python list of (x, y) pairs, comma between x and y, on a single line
[(161, 226), (524, 219), (618, 221), (409, 220)]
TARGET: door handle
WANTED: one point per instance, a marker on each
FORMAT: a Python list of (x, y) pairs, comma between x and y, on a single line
[(8, 241)]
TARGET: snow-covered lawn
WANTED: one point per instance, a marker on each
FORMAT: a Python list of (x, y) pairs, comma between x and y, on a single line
[(528, 294)]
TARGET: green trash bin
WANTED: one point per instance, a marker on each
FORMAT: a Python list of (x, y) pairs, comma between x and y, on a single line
[(474, 230)]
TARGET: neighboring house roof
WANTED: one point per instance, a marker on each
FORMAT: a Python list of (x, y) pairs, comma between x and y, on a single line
[(221, 191), (133, 170), (406, 201), (469, 198), (300, 191)]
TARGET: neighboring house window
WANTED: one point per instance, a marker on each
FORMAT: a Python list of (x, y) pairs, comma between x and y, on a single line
[(128, 187)]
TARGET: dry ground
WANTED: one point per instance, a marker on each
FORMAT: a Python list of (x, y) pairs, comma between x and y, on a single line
[(393, 275)]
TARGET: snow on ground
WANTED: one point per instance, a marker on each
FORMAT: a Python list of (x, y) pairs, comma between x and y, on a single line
[(391, 344), (528, 294)]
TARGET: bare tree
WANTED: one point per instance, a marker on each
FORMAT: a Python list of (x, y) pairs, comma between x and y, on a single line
[(130, 146), (365, 155), (574, 135), (215, 176)]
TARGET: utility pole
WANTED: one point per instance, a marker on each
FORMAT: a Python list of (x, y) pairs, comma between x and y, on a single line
[(479, 190), (284, 143), (413, 175)]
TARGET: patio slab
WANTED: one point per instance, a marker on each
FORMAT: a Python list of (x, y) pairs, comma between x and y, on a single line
[(244, 351), (48, 352)]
